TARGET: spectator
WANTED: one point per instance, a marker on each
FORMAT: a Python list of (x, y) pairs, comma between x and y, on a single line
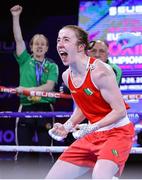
[(100, 50), (37, 72)]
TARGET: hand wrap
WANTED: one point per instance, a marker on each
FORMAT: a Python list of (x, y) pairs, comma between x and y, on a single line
[(55, 136), (84, 129), (68, 126)]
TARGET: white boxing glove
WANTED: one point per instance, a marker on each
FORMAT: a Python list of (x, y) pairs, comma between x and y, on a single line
[(84, 129)]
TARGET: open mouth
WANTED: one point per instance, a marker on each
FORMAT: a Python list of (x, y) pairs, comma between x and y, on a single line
[(63, 54), (39, 50)]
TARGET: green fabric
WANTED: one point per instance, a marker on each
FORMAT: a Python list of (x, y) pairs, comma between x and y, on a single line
[(28, 76), (117, 70)]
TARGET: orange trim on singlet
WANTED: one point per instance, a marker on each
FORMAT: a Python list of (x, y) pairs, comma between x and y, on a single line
[(89, 98)]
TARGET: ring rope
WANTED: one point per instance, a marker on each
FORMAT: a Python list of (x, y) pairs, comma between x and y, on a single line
[(54, 149), (12, 148), (58, 114), (10, 114), (36, 93), (56, 94)]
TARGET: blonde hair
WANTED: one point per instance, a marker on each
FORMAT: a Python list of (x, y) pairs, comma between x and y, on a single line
[(38, 35)]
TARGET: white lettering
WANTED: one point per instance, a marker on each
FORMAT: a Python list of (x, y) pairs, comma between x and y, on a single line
[(126, 59), (125, 10)]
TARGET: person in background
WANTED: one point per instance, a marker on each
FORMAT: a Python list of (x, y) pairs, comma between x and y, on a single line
[(105, 142), (100, 50), (39, 73), (128, 40)]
